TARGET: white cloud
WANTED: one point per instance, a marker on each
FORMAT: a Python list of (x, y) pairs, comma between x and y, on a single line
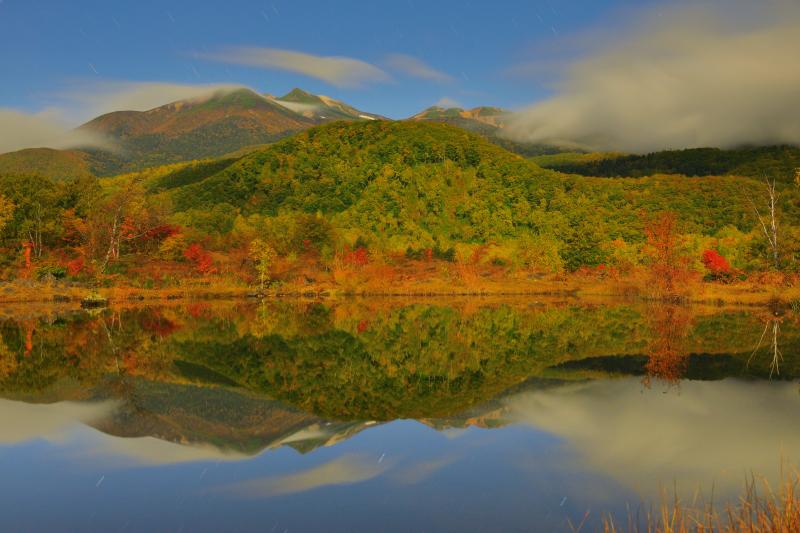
[(336, 70), (412, 66), (47, 128), (298, 107), (446, 101), (689, 77), (89, 100)]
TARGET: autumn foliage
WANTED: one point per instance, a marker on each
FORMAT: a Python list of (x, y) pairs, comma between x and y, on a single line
[(669, 266), (358, 257), (203, 262), (716, 265), (76, 266)]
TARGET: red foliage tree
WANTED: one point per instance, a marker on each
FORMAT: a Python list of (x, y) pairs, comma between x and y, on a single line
[(203, 262), (27, 248), (716, 264), (358, 257), (75, 266), (161, 232)]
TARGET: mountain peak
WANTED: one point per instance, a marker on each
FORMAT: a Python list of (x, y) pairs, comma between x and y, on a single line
[(300, 96)]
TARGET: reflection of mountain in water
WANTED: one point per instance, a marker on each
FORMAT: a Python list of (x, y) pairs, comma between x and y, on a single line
[(247, 378)]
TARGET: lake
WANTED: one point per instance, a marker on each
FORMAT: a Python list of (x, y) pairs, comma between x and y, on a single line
[(387, 415)]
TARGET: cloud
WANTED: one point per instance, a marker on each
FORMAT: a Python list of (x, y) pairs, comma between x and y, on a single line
[(446, 101), (344, 470), (90, 100), (299, 107), (412, 66), (644, 438), (694, 76), (336, 70), (19, 130)]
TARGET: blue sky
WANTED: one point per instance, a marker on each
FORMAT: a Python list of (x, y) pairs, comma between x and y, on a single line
[(470, 48), (627, 75)]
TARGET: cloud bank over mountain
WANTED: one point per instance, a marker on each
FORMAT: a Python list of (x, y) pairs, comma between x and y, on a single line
[(722, 75), (47, 128), (53, 127)]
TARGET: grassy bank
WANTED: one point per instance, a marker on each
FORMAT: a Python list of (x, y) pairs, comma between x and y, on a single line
[(760, 509), (745, 293)]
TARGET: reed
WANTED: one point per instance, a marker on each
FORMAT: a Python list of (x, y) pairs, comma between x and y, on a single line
[(759, 509)]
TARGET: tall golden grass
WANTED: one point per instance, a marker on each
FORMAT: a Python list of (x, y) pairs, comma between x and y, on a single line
[(759, 509)]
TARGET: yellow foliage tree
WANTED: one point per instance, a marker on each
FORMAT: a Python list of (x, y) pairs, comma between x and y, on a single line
[(7, 208), (264, 256)]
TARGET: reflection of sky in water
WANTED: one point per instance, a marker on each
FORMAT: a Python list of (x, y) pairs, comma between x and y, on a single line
[(401, 475), (572, 448), (699, 433)]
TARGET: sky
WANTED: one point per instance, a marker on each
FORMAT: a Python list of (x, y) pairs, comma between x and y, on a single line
[(592, 74), (460, 51)]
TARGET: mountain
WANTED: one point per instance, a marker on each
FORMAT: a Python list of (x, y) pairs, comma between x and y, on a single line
[(334, 168), (321, 108), (482, 120), (193, 129), (228, 121), (487, 122)]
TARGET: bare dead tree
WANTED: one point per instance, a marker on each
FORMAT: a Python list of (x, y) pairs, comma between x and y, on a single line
[(774, 348), (777, 356), (769, 223)]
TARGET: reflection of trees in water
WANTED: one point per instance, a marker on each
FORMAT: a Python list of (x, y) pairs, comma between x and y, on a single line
[(772, 327), (667, 351)]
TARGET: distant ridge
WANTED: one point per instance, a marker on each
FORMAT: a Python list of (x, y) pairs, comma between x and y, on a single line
[(321, 108), (487, 121)]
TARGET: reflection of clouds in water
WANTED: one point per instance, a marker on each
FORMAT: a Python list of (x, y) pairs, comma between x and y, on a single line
[(422, 470), (454, 433), (705, 432), (117, 451), (344, 470), (20, 421)]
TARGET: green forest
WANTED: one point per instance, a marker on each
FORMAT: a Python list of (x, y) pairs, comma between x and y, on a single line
[(381, 199)]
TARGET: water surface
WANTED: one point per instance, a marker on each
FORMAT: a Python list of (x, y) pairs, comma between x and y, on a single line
[(388, 415)]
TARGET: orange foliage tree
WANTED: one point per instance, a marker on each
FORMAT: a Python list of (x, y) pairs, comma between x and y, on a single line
[(669, 266), (667, 351)]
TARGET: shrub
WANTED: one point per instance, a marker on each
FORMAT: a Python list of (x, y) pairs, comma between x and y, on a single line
[(50, 271), (717, 266), (201, 258)]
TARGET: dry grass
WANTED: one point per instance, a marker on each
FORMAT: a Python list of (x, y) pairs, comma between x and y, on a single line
[(759, 509), (402, 277)]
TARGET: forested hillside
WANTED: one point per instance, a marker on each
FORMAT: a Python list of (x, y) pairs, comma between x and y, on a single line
[(359, 200), (772, 162)]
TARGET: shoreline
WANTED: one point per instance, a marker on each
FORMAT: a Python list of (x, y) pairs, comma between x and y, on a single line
[(702, 293)]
